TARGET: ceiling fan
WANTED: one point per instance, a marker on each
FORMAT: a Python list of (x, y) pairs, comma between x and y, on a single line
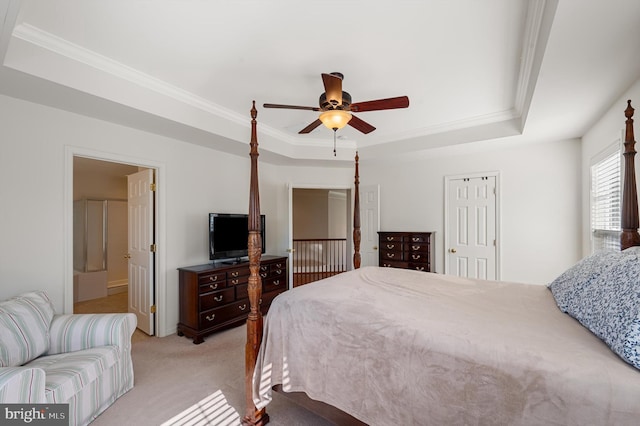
[(336, 109)]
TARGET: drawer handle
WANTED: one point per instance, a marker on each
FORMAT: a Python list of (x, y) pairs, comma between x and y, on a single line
[(263, 275), (213, 286), (234, 282), (278, 271), (415, 239), (210, 317), (213, 278), (390, 246), (415, 256), (278, 265), (386, 265), (263, 268), (235, 274), (243, 307), (218, 298), (391, 254), (415, 247), (276, 282), (420, 268), (391, 238)]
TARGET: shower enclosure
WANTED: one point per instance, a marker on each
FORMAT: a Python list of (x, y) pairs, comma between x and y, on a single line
[(99, 248)]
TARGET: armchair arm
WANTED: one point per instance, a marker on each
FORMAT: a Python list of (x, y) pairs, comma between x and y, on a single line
[(22, 385), (75, 332)]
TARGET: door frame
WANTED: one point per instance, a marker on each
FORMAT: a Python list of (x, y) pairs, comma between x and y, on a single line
[(290, 187), (447, 180), (160, 287)]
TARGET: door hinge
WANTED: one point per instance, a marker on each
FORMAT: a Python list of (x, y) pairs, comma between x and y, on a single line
[(152, 309), (152, 187), (153, 248)]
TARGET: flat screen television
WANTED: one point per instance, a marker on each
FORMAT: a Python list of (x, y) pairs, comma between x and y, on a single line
[(229, 236)]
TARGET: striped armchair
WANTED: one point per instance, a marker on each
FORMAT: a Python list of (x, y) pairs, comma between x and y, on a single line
[(81, 360)]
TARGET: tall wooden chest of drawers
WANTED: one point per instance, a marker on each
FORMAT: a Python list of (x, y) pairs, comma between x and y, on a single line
[(407, 250), (215, 296)]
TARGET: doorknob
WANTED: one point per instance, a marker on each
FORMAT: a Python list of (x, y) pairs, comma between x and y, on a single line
[(127, 256), (375, 247), (452, 250)]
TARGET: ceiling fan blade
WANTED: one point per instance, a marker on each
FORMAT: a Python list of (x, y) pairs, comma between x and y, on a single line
[(290, 107), (311, 127), (380, 104), (361, 125), (333, 88)]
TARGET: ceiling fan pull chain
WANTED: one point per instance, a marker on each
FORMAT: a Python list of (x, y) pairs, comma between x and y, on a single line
[(334, 142)]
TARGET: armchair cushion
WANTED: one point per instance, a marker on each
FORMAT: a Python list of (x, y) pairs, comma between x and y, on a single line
[(22, 385), (24, 328)]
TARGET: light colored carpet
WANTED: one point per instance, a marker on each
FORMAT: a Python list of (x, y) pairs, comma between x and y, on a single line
[(179, 383)]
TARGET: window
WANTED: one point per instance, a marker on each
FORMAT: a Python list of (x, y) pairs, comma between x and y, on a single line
[(606, 199)]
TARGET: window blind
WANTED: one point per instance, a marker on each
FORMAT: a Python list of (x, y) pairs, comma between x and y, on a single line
[(606, 202)]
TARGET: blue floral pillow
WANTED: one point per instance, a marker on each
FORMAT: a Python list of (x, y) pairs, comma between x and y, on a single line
[(574, 280), (609, 306)]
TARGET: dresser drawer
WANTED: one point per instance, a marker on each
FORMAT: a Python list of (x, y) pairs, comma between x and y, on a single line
[(237, 280), (390, 238), (238, 272), (223, 314), (274, 283), (216, 298), (394, 264), (416, 238), (391, 255), (391, 245), (424, 267), (418, 257), (218, 278)]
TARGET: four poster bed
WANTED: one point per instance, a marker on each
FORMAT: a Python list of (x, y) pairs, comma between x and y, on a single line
[(399, 347)]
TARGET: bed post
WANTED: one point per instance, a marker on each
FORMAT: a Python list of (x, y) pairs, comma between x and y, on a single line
[(629, 236), (356, 218), (253, 416)]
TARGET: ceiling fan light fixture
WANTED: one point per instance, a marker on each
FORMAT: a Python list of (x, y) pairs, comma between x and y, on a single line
[(335, 119)]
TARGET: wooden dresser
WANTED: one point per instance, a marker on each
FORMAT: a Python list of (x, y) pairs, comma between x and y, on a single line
[(214, 296), (407, 250)]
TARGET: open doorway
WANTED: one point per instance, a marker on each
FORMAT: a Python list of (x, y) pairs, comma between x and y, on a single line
[(102, 230), (319, 228)]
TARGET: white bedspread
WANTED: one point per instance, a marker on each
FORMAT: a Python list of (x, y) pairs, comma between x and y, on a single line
[(399, 347)]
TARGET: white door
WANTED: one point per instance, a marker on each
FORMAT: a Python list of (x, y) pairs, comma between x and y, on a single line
[(141, 248), (369, 224), (471, 241)]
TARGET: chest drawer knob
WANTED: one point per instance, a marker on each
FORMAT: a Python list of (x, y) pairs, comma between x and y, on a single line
[(415, 256), (218, 298), (210, 317), (213, 286), (234, 282), (242, 307), (276, 282), (263, 275), (391, 238), (390, 246), (419, 268), (390, 254), (213, 278)]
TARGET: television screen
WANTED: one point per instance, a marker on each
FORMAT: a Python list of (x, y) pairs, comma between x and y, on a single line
[(229, 235)]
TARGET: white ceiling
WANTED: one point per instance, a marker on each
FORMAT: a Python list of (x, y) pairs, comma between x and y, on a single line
[(478, 73)]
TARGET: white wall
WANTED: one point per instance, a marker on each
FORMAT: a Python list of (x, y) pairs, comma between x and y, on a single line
[(604, 132), (540, 203)]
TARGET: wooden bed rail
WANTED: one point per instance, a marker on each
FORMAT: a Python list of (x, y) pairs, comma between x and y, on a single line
[(629, 236)]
